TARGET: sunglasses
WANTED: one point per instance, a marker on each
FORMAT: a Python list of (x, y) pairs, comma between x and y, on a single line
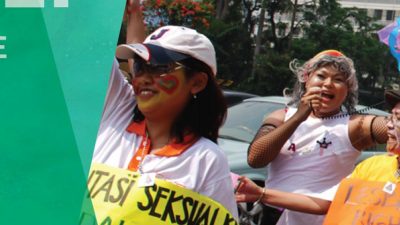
[(140, 68)]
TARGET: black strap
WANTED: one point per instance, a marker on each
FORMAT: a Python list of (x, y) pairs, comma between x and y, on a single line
[(268, 124), (370, 130)]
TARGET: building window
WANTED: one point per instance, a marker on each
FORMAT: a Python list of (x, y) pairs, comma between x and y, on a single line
[(377, 14), (390, 15)]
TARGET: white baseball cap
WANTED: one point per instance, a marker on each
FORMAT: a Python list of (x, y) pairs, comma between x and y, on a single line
[(170, 44)]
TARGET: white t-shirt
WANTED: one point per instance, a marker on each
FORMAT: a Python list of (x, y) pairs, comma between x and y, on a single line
[(317, 156), (202, 167)]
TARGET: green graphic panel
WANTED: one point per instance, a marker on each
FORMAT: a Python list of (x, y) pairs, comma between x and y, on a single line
[(52, 86), (83, 38)]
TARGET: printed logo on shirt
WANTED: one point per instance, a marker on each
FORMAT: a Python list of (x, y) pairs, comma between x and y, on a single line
[(292, 147), (323, 145)]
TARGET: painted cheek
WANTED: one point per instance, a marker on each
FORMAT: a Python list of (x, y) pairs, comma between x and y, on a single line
[(168, 83)]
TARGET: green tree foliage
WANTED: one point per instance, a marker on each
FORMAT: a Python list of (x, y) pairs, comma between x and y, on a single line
[(325, 25), (321, 24), (271, 74), (233, 45), (233, 48), (232, 42), (196, 14), (331, 27)]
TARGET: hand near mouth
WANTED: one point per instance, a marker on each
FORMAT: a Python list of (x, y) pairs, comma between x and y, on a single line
[(310, 102)]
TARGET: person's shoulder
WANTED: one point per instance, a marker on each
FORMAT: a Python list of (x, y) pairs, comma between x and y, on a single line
[(355, 118), (276, 117), (204, 146), (280, 112)]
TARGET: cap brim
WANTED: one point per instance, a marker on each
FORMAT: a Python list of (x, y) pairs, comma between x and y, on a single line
[(150, 53), (128, 51), (392, 97)]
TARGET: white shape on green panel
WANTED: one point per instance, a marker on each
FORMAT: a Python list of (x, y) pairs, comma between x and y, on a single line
[(24, 3), (34, 3), (2, 46), (61, 3)]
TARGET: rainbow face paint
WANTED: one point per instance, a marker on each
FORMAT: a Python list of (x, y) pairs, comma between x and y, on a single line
[(168, 92), (168, 83)]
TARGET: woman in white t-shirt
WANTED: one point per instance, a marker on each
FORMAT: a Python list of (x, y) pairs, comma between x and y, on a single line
[(166, 122)]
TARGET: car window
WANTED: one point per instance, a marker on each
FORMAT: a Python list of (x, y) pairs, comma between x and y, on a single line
[(244, 119)]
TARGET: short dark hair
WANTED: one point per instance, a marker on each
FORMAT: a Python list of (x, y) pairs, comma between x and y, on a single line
[(392, 97), (202, 115)]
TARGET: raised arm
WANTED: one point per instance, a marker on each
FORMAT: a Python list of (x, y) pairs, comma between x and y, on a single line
[(135, 29), (367, 130), (248, 191), (274, 132), (267, 142)]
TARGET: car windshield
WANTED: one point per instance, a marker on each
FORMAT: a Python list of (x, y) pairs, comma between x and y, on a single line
[(244, 119)]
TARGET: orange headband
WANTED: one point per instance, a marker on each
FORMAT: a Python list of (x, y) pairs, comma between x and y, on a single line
[(330, 52)]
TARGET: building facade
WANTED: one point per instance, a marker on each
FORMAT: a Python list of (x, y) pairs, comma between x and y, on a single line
[(384, 11)]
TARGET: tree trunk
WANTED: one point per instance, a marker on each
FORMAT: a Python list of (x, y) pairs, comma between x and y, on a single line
[(271, 11), (258, 37), (222, 9), (293, 20)]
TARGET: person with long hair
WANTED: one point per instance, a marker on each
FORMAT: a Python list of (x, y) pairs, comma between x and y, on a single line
[(380, 168), (314, 143), (166, 121)]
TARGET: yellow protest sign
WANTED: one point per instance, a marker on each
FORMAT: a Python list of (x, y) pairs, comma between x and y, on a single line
[(365, 202), (118, 200)]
